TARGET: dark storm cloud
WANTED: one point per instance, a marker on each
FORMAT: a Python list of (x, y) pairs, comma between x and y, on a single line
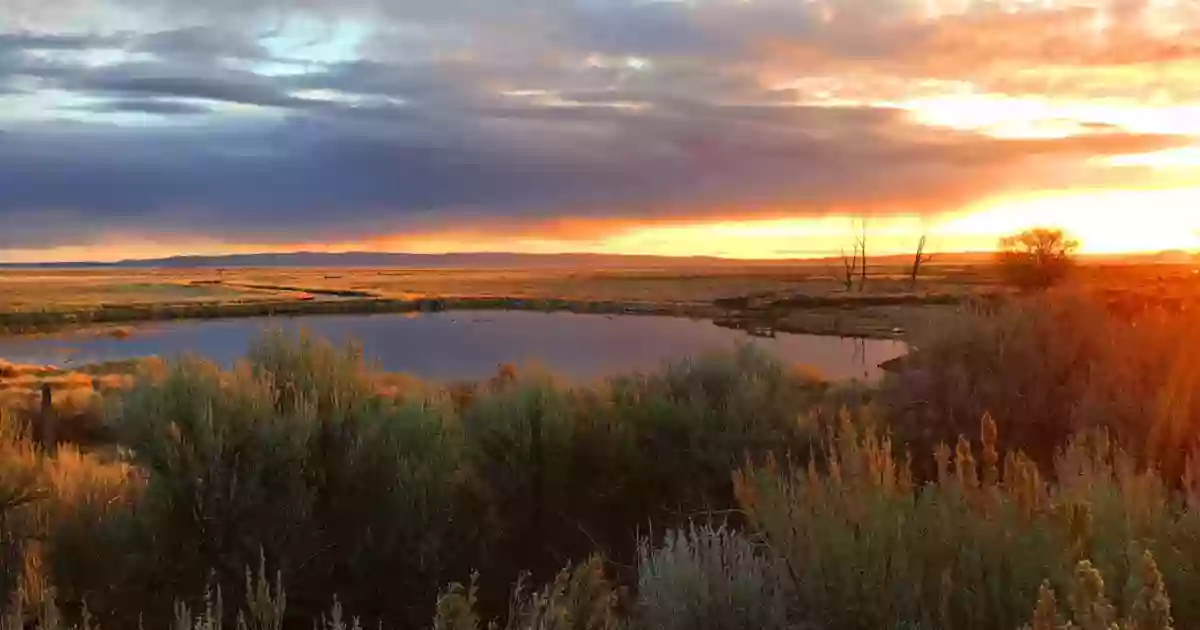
[(648, 29), (146, 106), (489, 111), (204, 42), (348, 173), (444, 83), (22, 41), (232, 87)]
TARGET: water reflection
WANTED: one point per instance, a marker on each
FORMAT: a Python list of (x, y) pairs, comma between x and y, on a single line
[(471, 344)]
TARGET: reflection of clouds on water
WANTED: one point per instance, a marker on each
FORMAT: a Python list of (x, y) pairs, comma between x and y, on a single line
[(466, 345)]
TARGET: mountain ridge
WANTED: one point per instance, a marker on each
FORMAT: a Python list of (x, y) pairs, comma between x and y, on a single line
[(510, 260)]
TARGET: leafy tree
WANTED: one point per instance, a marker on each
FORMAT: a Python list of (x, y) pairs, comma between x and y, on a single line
[(1037, 258)]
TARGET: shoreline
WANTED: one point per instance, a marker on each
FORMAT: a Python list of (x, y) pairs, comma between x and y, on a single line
[(869, 317)]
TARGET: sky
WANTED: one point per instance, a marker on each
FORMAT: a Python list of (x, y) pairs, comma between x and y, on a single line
[(740, 128)]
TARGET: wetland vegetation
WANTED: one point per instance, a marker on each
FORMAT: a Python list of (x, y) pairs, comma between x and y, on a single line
[(1031, 466)]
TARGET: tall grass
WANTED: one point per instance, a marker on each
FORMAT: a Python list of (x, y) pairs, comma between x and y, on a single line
[(867, 549), (1048, 366), (706, 578), (20, 488)]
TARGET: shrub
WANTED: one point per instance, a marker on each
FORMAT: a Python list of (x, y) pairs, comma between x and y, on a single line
[(303, 369), (292, 457), (698, 419), (1091, 609), (296, 456), (226, 476), (1048, 366), (867, 549), (579, 598), (1037, 258), (294, 460), (705, 578), (554, 472), (87, 524)]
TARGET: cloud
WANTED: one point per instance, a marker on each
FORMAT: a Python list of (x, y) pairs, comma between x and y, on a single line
[(21, 41), (331, 175), (203, 42), (285, 121), (147, 106)]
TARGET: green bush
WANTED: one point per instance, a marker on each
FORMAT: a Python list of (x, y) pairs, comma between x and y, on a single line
[(559, 472), (227, 476), (698, 419), (295, 455), (290, 456), (306, 370)]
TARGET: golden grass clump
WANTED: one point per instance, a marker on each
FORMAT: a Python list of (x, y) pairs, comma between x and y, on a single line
[(1046, 367), (1092, 610), (972, 548)]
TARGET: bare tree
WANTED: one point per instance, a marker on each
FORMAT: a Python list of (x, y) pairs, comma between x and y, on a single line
[(850, 265), (861, 246), (918, 260)]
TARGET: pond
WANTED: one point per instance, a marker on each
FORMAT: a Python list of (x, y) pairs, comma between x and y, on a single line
[(469, 344)]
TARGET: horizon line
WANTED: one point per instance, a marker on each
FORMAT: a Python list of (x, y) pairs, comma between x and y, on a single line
[(809, 257)]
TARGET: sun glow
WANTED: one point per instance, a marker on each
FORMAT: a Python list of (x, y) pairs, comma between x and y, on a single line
[(1041, 117), (1105, 222)]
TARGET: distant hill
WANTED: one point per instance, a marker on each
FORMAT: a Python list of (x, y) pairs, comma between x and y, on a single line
[(497, 260), (1169, 257), (502, 260)]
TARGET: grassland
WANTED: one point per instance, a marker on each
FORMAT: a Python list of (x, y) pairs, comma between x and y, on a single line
[(808, 298)]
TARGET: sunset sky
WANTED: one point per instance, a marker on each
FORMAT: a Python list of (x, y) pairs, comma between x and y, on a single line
[(742, 128)]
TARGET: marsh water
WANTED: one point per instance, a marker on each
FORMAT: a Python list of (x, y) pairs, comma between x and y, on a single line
[(469, 344)]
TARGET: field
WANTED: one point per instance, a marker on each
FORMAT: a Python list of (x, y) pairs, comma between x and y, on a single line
[(809, 297), (1031, 465)]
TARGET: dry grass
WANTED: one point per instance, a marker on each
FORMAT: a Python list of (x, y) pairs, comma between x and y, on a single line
[(1050, 365), (78, 398), (73, 290), (804, 297)]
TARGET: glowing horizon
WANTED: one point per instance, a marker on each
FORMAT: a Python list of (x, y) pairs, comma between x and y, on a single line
[(1080, 215)]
